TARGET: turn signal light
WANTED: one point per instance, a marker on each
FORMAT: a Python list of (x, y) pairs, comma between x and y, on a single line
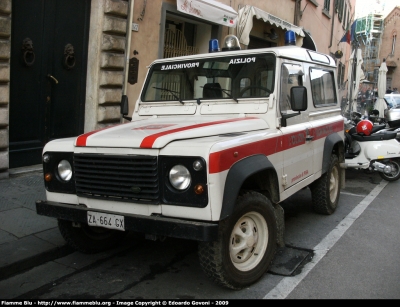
[(199, 189), (48, 177)]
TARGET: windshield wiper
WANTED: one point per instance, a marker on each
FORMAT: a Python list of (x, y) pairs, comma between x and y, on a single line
[(223, 90), (229, 94), (170, 91)]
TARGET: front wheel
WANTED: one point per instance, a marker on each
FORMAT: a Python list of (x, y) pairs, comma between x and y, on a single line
[(246, 244), (325, 191), (395, 170)]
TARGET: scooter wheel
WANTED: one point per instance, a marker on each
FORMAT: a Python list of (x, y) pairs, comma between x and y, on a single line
[(395, 173)]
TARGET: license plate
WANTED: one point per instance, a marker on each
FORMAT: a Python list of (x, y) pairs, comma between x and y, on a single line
[(105, 220)]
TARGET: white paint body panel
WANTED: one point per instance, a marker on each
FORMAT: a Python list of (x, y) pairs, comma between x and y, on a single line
[(226, 127)]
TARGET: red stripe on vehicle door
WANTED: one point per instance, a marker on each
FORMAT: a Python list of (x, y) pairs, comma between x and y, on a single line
[(223, 160)]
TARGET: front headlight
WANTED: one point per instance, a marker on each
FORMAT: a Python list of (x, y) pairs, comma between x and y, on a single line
[(179, 177), (183, 181), (64, 170), (58, 172)]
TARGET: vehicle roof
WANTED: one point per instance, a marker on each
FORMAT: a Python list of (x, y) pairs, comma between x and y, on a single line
[(289, 52)]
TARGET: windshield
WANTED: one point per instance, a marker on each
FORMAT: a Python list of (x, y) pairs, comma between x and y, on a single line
[(393, 100), (232, 77)]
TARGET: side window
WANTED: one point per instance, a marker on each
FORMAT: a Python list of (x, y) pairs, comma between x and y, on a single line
[(291, 75), (323, 87)]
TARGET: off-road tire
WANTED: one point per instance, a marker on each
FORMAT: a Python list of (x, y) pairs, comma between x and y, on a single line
[(87, 239), (246, 244), (325, 191), (395, 175)]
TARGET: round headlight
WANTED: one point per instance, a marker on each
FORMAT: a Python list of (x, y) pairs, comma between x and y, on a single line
[(64, 170), (179, 177)]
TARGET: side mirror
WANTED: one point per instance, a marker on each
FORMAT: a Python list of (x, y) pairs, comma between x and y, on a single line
[(298, 102), (298, 98), (124, 107)]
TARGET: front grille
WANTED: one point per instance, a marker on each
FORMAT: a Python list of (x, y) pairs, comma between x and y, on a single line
[(120, 178)]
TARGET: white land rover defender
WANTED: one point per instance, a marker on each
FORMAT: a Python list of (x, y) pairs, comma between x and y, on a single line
[(215, 143)]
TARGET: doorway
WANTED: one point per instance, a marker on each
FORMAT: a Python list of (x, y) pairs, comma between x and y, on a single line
[(49, 48)]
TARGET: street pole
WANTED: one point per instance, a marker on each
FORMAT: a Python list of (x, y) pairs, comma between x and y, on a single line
[(353, 76)]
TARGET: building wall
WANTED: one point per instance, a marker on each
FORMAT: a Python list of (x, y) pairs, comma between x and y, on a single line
[(391, 28), (109, 38), (106, 62), (314, 19), (146, 41), (5, 47), (327, 30)]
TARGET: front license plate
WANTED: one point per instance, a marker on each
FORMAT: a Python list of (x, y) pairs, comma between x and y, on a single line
[(105, 220)]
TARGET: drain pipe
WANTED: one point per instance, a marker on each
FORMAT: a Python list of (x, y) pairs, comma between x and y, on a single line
[(297, 12), (333, 22), (127, 48)]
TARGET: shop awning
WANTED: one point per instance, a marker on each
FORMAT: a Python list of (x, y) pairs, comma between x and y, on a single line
[(210, 10), (308, 42), (245, 23)]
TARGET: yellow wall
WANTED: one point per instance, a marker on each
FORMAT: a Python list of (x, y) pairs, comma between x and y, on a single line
[(147, 40)]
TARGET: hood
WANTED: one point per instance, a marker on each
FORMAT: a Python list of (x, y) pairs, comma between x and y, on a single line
[(158, 132)]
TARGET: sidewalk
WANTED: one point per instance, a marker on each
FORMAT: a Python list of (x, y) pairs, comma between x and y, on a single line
[(26, 238), (360, 263)]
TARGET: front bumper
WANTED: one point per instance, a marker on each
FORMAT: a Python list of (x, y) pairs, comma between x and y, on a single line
[(154, 225)]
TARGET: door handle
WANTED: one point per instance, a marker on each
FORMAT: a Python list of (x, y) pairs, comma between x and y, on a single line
[(54, 79), (308, 136)]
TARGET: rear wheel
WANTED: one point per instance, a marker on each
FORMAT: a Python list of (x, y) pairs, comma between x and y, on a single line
[(88, 239), (246, 244), (325, 191), (395, 170)]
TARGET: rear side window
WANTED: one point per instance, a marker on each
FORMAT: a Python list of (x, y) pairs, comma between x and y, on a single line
[(323, 87)]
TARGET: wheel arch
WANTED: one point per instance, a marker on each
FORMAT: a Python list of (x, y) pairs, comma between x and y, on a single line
[(252, 173), (333, 144)]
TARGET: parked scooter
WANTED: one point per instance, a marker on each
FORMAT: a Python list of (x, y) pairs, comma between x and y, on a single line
[(371, 147), (393, 125)]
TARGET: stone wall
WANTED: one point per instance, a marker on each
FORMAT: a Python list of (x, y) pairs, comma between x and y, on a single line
[(105, 75), (108, 79), (5, 47)]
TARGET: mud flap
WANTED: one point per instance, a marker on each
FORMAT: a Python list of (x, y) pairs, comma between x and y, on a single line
[(280, 222), (342, 178)]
